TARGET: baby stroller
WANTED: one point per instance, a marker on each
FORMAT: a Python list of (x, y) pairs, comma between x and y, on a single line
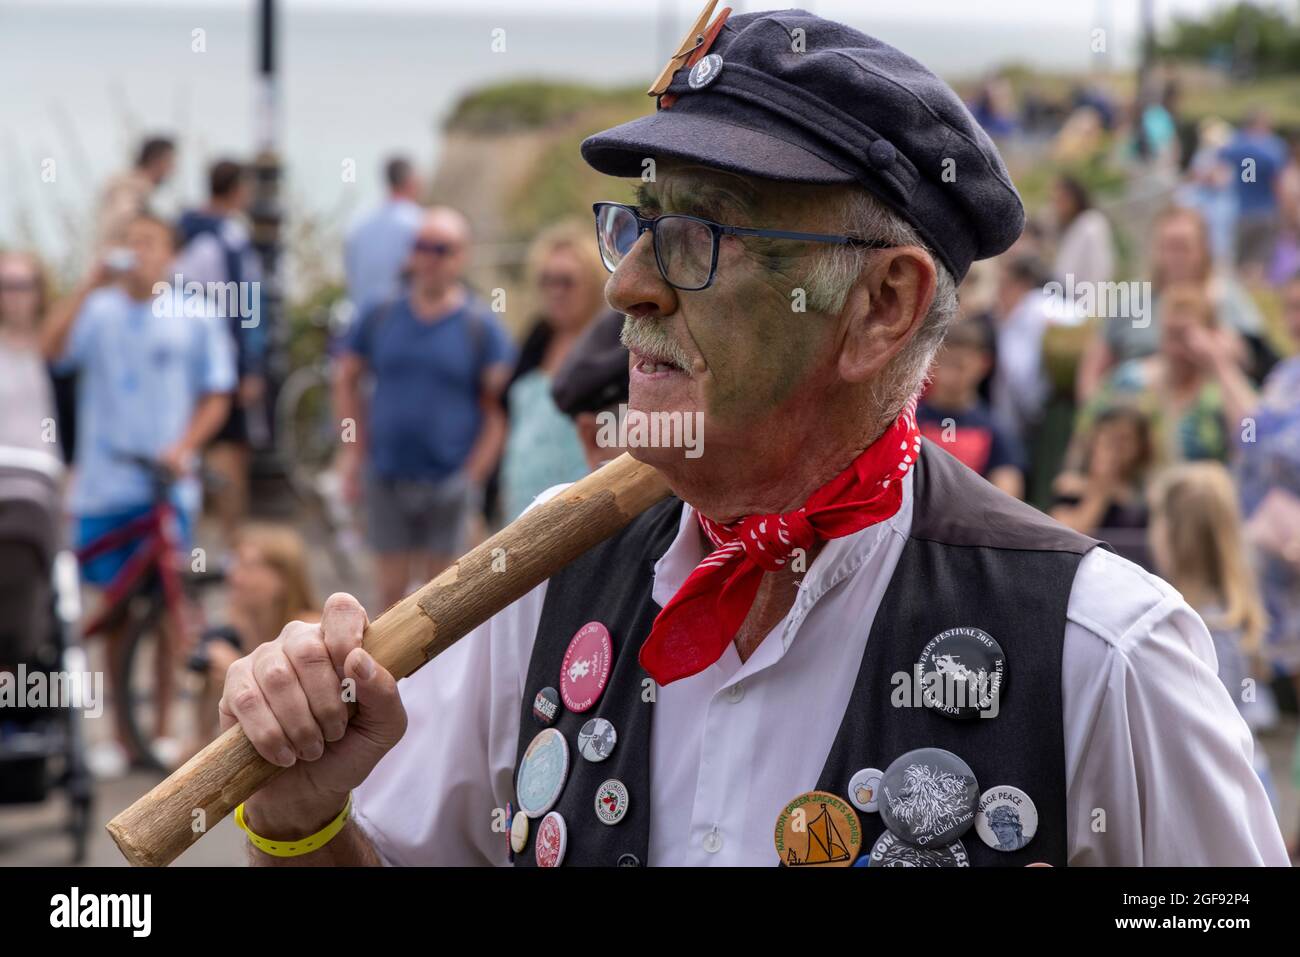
[(41, 741)]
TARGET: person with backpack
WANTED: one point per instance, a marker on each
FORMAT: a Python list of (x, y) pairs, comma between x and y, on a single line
[(418, 448), (217, 251)]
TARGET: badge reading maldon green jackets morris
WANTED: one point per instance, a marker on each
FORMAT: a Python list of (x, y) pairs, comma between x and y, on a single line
[(818, 829)]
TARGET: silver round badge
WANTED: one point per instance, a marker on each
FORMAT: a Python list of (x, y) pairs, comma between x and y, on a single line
[(611, 801), (864, 789), (704, 72), (1006, 819), (542, 773), (596, 740)]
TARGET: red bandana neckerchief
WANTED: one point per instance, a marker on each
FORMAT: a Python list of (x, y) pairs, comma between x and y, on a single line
[(698, 623)]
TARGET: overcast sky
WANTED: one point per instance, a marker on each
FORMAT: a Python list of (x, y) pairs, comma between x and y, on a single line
[(1063, 12)]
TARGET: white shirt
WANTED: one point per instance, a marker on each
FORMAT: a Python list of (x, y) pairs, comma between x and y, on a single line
[(1158, 761), (1086, 251)]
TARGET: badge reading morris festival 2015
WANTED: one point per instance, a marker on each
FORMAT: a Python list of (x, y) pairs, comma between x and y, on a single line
[(818, 829), (928, 797), (962, 673)]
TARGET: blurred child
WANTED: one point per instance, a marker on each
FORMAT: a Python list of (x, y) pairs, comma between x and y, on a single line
[(953, 416), (1200, 548), (1107, 491), (269, 585)]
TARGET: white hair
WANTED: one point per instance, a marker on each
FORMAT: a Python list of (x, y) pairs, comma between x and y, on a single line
[(828, 283)]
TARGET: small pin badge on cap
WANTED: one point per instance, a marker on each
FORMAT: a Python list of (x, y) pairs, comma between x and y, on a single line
[(818, 829), (928, 797), (552, 840), (596, 740), (864, 790), (585, 669), (1006, 819), (704, 72), (611, 801), (546, 706), (962, 673)]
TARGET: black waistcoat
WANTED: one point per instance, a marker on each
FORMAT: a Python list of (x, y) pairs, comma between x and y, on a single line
[(974, 557)]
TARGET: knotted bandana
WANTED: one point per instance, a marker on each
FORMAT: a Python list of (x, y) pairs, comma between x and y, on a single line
[(698, 623)]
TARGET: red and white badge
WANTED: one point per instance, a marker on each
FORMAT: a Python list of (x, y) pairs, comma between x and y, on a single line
[(585, 669), (552, 840)]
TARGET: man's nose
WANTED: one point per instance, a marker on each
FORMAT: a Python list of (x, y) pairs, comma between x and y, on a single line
[(636, 287)]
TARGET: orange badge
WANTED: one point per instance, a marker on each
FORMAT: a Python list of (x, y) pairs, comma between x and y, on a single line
[(818, 829)]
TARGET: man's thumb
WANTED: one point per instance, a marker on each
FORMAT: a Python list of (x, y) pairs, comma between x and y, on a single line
[(380, 715)]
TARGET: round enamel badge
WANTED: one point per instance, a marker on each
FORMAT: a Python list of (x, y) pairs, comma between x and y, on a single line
[(596, 740), (1006, 819), (546, 706), (928, 797), (963, 673), (542, 772), (890, 851), (518, 832), (611, 801), (864, 790), (552, 840), (704, 72), (585, 669), (818, 829)]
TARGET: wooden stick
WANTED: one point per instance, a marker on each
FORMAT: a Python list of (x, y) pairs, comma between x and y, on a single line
[(180, 810)]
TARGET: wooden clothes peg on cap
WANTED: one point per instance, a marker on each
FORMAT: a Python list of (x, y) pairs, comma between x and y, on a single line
[(694, 38), (668, 99)]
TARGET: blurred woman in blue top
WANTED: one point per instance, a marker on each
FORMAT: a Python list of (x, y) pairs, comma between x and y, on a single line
[(542, 448)]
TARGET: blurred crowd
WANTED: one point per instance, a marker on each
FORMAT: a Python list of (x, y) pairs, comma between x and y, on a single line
[(1135, 374)]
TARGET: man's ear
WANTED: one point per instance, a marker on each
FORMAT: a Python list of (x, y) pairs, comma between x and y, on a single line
[(884, 310)]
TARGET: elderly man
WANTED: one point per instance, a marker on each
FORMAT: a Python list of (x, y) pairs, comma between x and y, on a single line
[(735, 670)]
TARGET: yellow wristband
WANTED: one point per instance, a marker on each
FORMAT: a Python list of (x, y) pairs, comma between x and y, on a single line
[(313, 842)]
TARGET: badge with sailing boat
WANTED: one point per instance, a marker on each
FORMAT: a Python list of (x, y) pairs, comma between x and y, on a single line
[(818, 829)]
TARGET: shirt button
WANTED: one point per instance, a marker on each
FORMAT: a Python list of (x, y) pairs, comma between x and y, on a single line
[(713, 841), (736, 692)]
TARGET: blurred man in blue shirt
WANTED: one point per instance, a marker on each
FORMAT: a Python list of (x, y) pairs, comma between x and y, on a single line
[(152, 382), (1257, 156), (435, 427), (377, 246), (155, 374)]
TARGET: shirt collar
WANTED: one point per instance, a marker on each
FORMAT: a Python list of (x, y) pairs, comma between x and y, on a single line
[(838, 558)]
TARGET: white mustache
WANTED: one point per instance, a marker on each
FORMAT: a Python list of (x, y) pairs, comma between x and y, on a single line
[(646, 337)]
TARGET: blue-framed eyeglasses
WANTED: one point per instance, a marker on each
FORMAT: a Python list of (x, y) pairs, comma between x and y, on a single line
[(686, 247)]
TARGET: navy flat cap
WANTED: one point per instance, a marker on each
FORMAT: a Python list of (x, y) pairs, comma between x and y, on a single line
[(846, 109)]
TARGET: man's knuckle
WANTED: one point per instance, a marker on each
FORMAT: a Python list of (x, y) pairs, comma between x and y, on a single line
[(276, 675)]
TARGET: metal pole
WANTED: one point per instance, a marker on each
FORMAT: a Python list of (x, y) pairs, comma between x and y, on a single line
[(266, 215)]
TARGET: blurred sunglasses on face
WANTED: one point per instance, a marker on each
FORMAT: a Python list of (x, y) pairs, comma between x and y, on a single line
[(434, 248)]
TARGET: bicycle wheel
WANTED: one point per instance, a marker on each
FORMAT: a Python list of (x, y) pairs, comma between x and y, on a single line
[(306, 434), (157, 695)]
